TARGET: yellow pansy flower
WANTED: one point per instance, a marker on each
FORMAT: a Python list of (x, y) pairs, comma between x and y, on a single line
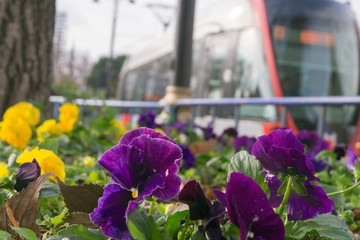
[(47, 160), (48, 126), (121, 130), (89, 161), (160, 130), (24, 110), (4, 172), (15, 132), (68, 116)]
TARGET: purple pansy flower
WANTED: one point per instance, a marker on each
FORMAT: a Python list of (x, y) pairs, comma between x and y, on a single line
[(144, 163), (281, 152), (351, 161), (243, 142), (340, 150), (207, 131), (202, 208), (314, 144), (232, 132), (250, 210), (147, 120), (319, 165), (227, 133), (300, 207), (188, 156), (179, 126), (312, 140), (26, 174)]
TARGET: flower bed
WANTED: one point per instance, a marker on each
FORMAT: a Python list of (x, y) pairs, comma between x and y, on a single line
[(94, 178)]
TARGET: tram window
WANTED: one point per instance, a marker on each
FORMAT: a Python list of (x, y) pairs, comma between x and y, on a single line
[(197, 68), (158, 78), (130, 85), (217, 55), (317, 57), (141, 83), (251, 77), (214, 69), (164, 76)]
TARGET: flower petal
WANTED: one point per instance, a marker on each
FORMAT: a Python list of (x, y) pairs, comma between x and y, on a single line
[(125, 163), (220, 196), (243, 142), (313, 141), (154, 183), (151, 133), (249, 209), (265, 144), (339, 149), (292, 158), (316, 202), (110, 213), (170, 189), (160, 156), (351, 162), (193, 195), (26, 174), (217, 211), (274, 185), (189, 158), (286, 138)]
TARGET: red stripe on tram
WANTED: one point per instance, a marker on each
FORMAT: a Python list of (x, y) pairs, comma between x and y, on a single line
[(262, 22)]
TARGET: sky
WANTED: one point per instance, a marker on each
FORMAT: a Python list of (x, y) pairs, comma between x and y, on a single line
[(89, 23)]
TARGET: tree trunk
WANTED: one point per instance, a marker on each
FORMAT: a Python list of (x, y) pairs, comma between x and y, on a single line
[(26, 41)]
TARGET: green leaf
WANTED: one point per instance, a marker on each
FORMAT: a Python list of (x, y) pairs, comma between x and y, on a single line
[(25, 232), (281, 176), (79, 232), (142, 226), (93, 177), (50, 144), (339, 200), (300, 189), (324, 225), (161, 207), (247, 164), (202, 159), (173, 222), (49, 190), (6, 184), (300, 178), (198, 236), (231, 231), (282, 188), (5, 235), (325, 153)]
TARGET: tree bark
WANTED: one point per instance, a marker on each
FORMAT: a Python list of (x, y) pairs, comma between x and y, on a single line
[(26, 42)]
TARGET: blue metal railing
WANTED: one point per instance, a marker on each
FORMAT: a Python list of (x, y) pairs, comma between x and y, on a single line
[(131, 105), (285, 102)]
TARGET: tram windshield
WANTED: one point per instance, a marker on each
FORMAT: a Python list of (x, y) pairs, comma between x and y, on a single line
[(317, 54)]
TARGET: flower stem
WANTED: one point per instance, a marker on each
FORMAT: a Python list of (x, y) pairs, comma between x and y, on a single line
[(152, 205), (286, 220), (343, 191), (286, 195), (182, 237)]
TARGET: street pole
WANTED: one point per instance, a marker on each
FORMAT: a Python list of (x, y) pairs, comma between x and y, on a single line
[(183, 43), (109, 62), (180, 86)]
